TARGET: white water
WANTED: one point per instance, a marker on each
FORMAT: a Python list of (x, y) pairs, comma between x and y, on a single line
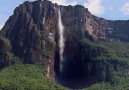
[(61, 39), (48, 69)]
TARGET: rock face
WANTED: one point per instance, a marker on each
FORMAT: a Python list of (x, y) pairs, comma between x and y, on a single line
[(33, 36)]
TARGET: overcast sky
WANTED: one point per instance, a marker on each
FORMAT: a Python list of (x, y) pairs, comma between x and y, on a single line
[(108, 9)]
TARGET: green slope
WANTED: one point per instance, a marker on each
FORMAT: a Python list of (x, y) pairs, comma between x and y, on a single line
[(33, 76), (25, 77)]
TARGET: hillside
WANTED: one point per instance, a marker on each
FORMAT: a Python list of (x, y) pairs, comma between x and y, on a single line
[(26, 77)]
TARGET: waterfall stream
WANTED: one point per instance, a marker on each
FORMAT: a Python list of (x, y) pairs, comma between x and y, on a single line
[(61, 39), (69, 74)]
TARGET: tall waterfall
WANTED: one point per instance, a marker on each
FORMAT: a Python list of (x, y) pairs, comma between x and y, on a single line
[(61, 38)]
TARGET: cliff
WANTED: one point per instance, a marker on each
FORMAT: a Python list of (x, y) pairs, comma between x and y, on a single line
[(31, 35)]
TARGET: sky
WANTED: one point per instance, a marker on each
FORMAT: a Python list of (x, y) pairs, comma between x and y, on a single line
[(108, 9)]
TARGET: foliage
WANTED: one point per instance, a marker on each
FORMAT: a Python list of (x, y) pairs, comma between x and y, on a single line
[(119, 83), (33, 77), (117, 51), (12, 58), (10, 55), (6, 41), (113, 63), (26, 77), (120, 48), (46, 53)]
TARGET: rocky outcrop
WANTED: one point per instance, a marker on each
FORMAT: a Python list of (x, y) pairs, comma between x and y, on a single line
[(33, 34), (31, 31)]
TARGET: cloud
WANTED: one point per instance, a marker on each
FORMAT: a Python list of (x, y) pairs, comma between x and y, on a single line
[(64, 2), (95, 7), (125, 8)]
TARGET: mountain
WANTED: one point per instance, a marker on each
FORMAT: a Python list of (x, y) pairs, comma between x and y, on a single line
[(76, 48)]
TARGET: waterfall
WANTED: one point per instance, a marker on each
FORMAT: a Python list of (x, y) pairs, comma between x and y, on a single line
[(61, 38)]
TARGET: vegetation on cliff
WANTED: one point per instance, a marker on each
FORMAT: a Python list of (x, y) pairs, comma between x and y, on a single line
[(107, 50), (112, 64), (31, 35), (105, 62), (106, 54)]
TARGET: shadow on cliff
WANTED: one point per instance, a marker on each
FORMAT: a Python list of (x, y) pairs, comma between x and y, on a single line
[(74, 73), (74, 76)]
